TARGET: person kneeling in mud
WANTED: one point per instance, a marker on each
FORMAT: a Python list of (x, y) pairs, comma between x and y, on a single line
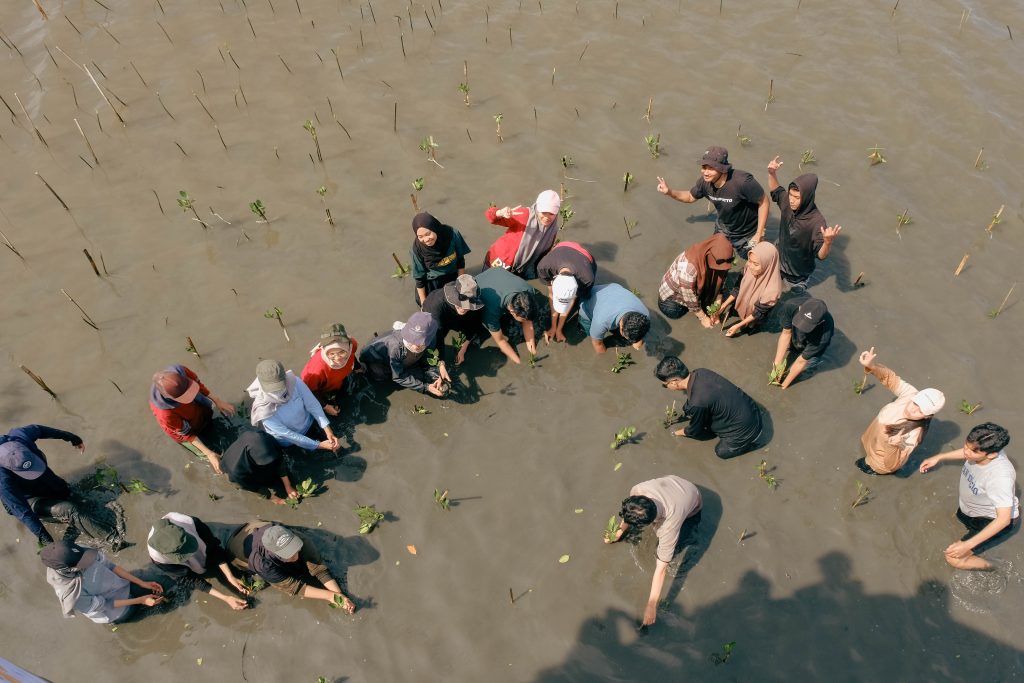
[(282, 558), (806, 329), (255, 462), (666, 502), (901, 425), (86, 581), (186, 550), (988, 507), (506, 296), (184, 408), (714, 405), (402, 357), (30, 490)]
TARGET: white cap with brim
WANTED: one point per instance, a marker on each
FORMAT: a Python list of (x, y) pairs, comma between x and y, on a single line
[(563, 292), (21, 461), (930, 401)]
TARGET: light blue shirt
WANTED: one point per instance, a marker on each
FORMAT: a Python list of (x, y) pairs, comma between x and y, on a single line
[(601, 312), (100, 588), (292, 419)]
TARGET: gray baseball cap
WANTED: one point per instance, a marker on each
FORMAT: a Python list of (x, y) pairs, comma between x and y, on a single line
[(281, 541)]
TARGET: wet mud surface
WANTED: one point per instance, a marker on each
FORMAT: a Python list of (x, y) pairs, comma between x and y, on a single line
[(816, 590)]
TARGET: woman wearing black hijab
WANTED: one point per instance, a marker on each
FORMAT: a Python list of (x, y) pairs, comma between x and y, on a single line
[(438, 255), (255, 462)]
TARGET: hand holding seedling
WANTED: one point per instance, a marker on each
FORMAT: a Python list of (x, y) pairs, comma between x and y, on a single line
[(224, 407), (613, 532), (867, 358), (437, 387), (151, 600)]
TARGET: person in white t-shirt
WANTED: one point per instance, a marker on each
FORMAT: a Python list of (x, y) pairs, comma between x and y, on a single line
[(666, 502), (988, 506)]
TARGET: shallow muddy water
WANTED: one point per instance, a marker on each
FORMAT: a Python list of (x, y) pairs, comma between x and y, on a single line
[(818, 590)]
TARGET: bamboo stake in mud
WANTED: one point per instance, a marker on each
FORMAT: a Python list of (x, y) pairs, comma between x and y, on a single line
[(87, 143), (399, 263), (996, 312), (511, 597), (25, 111), (977, 162), (158, 202), (115, 386), (580, 59), (191, 348), (92, 263), (72, 25), (166, 34), (224, 144), (650, 103), (41, 10), (995, 220), (166, 111), (338, 62), (86, 318), (138, 74), (103, 95), (395, 126), (415, 204), (39, 380), (857, 282), (53, 192), (203, 106), (771, 95), (963, 262), (7, 243)]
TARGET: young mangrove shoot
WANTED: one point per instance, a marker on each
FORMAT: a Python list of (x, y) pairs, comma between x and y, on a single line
[(420, 410), (744, 139), (311, 129), (368, 517), (464, 89), (862, 494), (260, 210), (670, 415), (275, 314), (188, 204), (776, 373), (876, 156), (623, 436), (627, 178), (630, 225), (807, 157), (653, 145), (427, 145), (322, 191), (967, 407), (622, 361), (497, 122), (442, 500), (611, 530)]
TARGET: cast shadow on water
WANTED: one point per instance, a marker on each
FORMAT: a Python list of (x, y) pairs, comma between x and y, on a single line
[(832, 630), (942, 435), (129, 463)]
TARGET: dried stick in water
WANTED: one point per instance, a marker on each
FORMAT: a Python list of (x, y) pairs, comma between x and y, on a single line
[(39, 380)]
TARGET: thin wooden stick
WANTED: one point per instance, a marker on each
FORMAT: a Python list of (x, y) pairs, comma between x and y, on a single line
[(39, 380), (30, 122), (192, 347), (400, 266), (1005, 299), (960, 268), (860, 276), (7, 243), (87, 143), (138, 74), (995, 220), (977, 162), (415, 205), (158, 202), (41, 10), (92, 263), (53, 192), (85, 316), (204, 107), (103, 95)]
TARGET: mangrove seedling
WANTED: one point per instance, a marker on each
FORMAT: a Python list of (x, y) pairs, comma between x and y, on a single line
[(464, 89), (996, 311), (442, 500), (433, 357), (623, 436), (727, 648), (322, 191), (338, 601), (419, 410), (275, 314), (670, 415), (188, 204), (311, 129), (766, 476), (307, 489), (427, 145), (996, 220), (776, 373), (653, 145), (368, 517), (253, 584), (744, 139), (258, 208), (191, 348), (400, 269), (629, 227), (876, 156), (980, 165), (903, 219), (968, 407), (105, 477), (612, 529), (566, 213), (862, 494), (860, 385), (497, 123), (459, 339), (417, 184), (807, 157), (531, 362), (622, 361), (137, 486), (714, 307), (771, 94), (567, 161), (627, 178)]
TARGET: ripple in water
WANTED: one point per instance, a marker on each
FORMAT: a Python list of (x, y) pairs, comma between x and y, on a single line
[(979, 592)]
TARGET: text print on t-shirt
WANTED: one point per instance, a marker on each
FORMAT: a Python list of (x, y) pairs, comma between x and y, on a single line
[(970, 480)]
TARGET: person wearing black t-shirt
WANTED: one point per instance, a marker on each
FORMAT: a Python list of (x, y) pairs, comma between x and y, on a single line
[(739, 199), (806, 329), (714, 406), (456, 306)]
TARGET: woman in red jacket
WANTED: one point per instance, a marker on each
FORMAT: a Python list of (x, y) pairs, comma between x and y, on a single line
[(531, 234), (184, 408), (331, 361)]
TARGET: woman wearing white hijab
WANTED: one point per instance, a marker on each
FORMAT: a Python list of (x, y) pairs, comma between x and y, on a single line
[(530, 235), (284, 407)]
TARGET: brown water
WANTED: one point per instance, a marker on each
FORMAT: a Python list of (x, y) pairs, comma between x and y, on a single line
[(819, 591)]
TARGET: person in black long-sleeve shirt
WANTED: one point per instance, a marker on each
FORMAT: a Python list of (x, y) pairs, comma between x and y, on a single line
[(456, 306), (185, 549), (29, 489), (714, 405)]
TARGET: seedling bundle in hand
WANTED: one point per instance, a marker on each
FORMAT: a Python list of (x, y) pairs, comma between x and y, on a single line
[(776, 373), (611, 531)]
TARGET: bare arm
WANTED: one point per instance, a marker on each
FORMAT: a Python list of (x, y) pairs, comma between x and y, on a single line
[(212, 456), (961, 549), (929, 463), (829, 235), (657, 583), (794, 371), (598, 345), (683, 196), (505, 347), (762, 217), (773, 178), (783, 346)]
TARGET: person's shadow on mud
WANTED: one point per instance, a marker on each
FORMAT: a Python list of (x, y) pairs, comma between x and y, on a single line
[(832, 630)]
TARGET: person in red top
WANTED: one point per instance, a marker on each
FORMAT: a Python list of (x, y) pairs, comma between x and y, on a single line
[(184, 408), (531, 234), (331, 361)]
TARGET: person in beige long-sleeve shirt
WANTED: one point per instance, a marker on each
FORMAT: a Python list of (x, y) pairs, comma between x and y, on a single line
[(900, 426)]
